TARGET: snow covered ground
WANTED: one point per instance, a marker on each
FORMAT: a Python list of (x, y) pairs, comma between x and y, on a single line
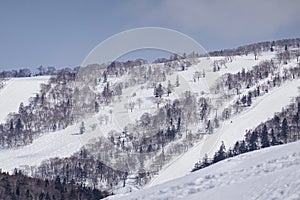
[(271, 173), (117, 116), (17, 90), (262, 108), (246, 62)]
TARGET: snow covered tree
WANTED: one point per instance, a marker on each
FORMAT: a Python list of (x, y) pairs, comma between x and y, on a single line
[(159, 91), (131, 106), (82, 128), (177, 81), (139, 101), (244, 100), (104, 77), (21, 108), (96, 107)]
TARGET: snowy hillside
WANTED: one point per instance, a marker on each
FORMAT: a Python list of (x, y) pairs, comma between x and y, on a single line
[(272, 173), (146, 124), (17, 90), (100, 124), (231, 131)]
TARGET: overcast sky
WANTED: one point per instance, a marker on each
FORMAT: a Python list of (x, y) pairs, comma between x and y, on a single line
[(62, 32)]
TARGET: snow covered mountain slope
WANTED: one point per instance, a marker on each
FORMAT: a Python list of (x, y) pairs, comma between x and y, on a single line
[(247, 62), (48, 146), (117, 115), (17, 90), (271, 173), (263, 108)]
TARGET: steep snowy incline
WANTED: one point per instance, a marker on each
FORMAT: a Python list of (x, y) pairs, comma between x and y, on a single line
[(262, 108), (18, 90), (271, 173), (246, 62)]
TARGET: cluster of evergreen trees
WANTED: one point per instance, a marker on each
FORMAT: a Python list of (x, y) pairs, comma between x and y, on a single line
[(82, 168), (48, 111), (20, 187), (282, 128), (245, 86)]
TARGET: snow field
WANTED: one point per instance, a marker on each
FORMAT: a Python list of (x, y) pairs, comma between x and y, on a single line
[(270, 173), (18, 90), (262, 108)]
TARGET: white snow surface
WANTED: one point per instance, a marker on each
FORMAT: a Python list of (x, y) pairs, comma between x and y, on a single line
[(262, 108), (246, 62), (270, 173), (17, 90)]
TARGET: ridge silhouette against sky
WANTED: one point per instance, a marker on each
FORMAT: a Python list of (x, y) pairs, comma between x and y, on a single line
[(61, 33)]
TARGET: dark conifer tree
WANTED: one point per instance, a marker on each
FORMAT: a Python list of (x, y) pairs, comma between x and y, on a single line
[(243, 147), (221, 154), (159, 91), (284, 130), (19, 125), (253, 141), (249, 99), (236, 148), (274, 140), (264, 137)]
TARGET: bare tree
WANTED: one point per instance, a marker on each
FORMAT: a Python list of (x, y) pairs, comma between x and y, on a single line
[(139, 101), (82, 128), (110, 112), (131, 106), (177, 81), (169, 88)]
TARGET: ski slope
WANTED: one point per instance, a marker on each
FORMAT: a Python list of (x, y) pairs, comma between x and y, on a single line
[(48, 145), (18, 90), (262, 108), (246, 62), (64, 143), (270, 173)]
